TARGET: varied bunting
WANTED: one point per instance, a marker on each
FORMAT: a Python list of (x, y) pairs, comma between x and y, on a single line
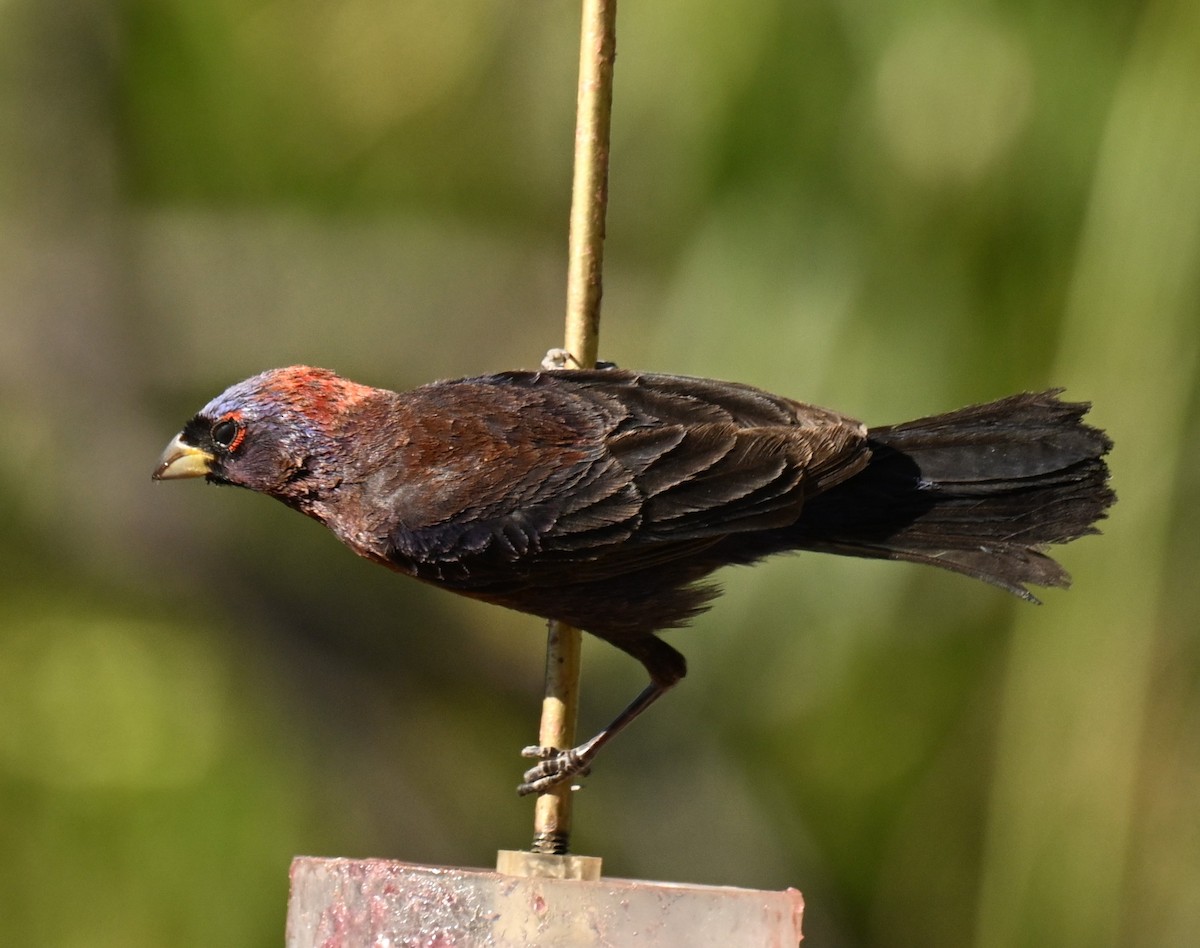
[(602, 497)]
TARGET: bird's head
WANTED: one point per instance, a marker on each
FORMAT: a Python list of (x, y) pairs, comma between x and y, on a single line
[(275, 433)]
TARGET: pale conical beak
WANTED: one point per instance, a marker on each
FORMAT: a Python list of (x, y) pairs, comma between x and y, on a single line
[(182, 460)]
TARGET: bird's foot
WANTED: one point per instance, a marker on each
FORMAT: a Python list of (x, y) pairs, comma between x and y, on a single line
[(562, 359), (555, 766), (558, 359)]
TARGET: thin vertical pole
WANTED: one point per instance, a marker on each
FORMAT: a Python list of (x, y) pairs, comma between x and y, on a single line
[(589, 191), (589, 201)]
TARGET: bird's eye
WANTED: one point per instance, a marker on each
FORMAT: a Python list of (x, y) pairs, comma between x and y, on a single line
[(225, 433)]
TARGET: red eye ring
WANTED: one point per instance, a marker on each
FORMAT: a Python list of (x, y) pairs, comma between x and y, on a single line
[(228, 433)]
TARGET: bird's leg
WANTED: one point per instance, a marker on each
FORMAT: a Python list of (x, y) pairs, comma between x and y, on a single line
[(558, 765)]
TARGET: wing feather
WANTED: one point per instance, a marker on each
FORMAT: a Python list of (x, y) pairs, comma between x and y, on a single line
[(583, 475)]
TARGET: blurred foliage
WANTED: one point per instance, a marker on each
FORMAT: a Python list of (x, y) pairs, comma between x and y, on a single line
[(890, 210)]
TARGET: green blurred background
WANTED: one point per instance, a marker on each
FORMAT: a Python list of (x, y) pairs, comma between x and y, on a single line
[(889, 209)]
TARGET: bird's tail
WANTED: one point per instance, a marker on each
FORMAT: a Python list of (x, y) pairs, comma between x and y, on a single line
[(981, 491)]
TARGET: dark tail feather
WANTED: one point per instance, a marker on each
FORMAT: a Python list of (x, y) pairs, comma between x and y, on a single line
[(981, 491)]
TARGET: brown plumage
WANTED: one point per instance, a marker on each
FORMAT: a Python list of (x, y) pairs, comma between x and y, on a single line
[(602, 498)]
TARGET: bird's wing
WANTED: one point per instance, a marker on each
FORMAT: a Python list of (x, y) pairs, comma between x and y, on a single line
[(602, 472)]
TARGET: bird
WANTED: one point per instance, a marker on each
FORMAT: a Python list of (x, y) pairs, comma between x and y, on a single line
[(605, 498)]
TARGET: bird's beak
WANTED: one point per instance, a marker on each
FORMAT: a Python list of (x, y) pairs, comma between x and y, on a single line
[(182, 460)]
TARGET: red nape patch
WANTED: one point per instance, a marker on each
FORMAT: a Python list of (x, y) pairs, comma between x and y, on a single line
[(316, 391)]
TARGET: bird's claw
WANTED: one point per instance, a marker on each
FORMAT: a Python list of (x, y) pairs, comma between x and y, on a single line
[(556, 766), (562, 359), (558, 359)]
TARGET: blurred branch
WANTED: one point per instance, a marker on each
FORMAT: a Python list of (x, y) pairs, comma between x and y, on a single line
[(1068, 796)]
